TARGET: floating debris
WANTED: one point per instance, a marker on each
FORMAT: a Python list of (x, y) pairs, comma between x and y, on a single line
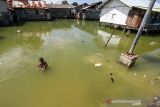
[(98, 65), (112, 78), (0, 63), (144, 76), (135, 74), (18, 31), (153, 43), (83, 41), (159, 77), (156, 98), (152, 82)]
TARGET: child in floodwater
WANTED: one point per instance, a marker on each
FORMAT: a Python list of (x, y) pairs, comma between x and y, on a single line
[(43, 65), (112, 78)]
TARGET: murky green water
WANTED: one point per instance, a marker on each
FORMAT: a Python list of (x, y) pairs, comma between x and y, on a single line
[(72, 49)]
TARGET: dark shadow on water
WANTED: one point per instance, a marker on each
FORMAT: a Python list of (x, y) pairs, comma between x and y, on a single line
[(1, 37), (46, 71), (151, 59)]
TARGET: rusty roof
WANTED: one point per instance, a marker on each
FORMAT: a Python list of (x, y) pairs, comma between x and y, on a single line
[(27, 4), (59, 6)]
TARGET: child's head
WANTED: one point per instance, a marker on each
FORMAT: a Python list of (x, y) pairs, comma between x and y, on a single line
[(41, 59)]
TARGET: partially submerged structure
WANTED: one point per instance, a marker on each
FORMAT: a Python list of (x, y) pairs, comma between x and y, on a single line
[(5, 15), (78, 9), (129, 13), (91, 12), (24, 10), (60, 10)]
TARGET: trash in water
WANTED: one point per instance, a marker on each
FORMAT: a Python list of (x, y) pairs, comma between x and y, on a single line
[(18, 31), (155, 98), (83, 41), (0, 63), (144, 75), (135, 74), (152, 82), (153, 43), (98, 65)]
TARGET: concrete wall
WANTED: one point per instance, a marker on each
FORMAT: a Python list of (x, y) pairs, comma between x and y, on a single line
[(114, 12)]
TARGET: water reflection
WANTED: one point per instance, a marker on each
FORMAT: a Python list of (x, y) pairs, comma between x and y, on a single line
[(114, 41)]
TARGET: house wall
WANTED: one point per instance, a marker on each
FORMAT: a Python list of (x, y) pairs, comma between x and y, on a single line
[(114, 12), (135, 17), (35, 14), (91, 14), (5, 15), (60, 13), (3, 7)]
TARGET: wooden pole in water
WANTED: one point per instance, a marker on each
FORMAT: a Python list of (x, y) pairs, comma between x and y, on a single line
[(144, 22)]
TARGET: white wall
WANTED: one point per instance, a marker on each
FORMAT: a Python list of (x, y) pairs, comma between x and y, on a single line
[(114, 12)]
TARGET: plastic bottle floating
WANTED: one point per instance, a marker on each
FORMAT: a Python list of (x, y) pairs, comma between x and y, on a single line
[(98, 65)]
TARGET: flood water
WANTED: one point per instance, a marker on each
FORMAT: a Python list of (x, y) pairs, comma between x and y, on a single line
[(72, 49)]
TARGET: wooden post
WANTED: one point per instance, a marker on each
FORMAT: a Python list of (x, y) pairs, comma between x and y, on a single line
[(130, 58)]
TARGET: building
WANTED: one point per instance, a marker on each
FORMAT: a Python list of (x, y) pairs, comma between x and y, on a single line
[(80, 7), (60, 11), (25, 10), (77, 9), (91, 12), (129, 13), (5, 15)]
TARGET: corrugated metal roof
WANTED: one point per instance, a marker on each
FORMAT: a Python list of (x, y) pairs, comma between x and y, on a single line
[(59, 6), (28, 4), (93, 4), (143, 4)]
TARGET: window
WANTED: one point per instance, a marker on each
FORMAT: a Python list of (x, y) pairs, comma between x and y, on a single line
[(113, 16)]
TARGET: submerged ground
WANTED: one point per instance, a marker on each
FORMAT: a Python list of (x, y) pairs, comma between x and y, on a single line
[(72, 48)]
